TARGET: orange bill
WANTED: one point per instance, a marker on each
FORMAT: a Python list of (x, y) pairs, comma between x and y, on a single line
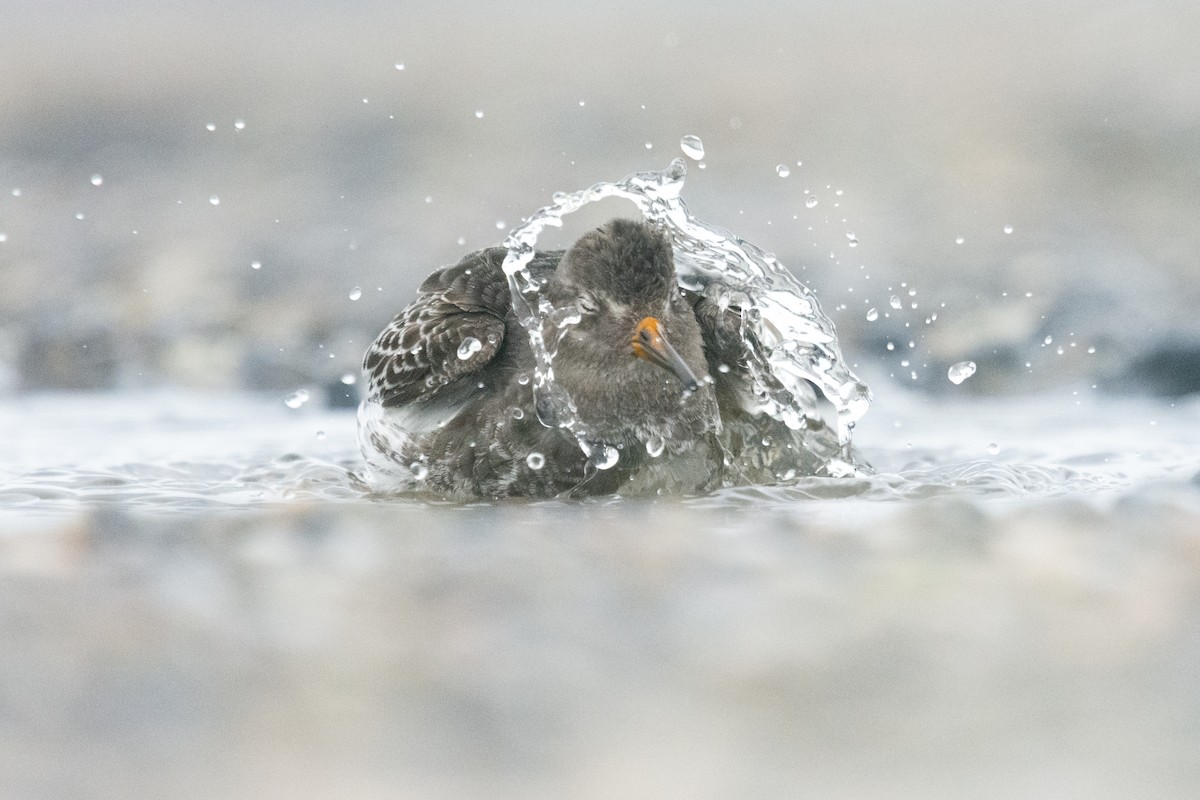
[(650, 343)]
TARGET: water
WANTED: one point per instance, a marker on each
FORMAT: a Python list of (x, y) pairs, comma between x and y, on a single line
[(180, 452), (188, 577)]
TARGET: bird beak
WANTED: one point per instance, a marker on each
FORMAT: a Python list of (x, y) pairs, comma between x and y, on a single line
[(650, 343)]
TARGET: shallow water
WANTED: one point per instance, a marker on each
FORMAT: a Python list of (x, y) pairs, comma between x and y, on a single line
[(198, 601), (194, 452)]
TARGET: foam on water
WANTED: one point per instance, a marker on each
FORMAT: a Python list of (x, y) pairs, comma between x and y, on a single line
[(792, 344)]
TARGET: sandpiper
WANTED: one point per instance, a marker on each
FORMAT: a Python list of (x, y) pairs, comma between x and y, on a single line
[(656, 374)]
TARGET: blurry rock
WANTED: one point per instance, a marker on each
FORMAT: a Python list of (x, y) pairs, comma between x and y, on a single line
[(341, 395), (75, 360), (1167, 369)]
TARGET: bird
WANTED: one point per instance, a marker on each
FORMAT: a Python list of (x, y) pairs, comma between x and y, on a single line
[(657, 375)]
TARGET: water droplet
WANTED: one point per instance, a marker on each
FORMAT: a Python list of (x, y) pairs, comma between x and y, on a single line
[(993, 448), (723, 369), (1091, 350), (255, 265), (320, 436), (655, 446), (460, 241), (478, 115), (349, 379), (79, 215), (961, 371), (606, 458), (649, 145), (891, 345), (782, 170), (896, 302), (1008, 229), (211, 126), (535, 460), (501, 224), (16, 192), (959, 240), (872, 315), (523, 379), (469, 347), (811, 202), (296, 398), (216, 201), (400, 65), (517, 413), (239, 124), (97, 180), (418, 470), (1048, 340), (3, 237), (356, 293), (692, 147)]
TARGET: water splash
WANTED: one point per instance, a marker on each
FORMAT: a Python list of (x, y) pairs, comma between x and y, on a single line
[(961, 371), (692, 147), (792, 344)]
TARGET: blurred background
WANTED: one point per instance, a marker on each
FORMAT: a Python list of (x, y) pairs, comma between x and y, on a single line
[(226, 195)]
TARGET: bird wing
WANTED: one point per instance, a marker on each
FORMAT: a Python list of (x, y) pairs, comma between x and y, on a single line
[(453, 330)]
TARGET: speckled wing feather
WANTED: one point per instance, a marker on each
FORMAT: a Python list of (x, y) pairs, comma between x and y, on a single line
[(417, 354)]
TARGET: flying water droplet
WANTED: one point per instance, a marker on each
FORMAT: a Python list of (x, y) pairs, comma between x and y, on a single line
[(811, 202), (535, 461), (606, 457), (478, 115), (296, 398), (255, 265), (320, 436), (97, 180), (993, 448), (523, 379), (501, 224), (517, 413), (959, 240), (356, 293), (961, 371), (216, 201), (349, 379), (239, 124), (211, 126), (782, 170), (1008, 228), (872, 315), (692, 147), (655, 446), (418, 470), (3, 237), (469, 347), (896, 302), (400, 65)]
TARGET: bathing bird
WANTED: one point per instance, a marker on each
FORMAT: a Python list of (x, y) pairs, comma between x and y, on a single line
[(656, 378)]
